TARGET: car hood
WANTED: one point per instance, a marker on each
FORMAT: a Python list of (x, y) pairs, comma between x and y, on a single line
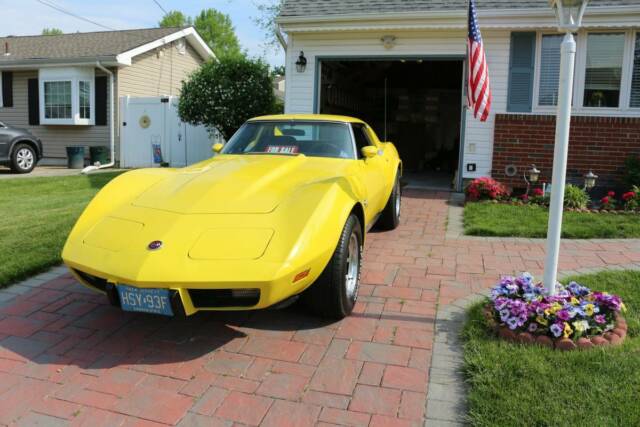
[(237, 184)]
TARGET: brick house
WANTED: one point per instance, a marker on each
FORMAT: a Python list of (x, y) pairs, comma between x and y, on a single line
[(400, 65)]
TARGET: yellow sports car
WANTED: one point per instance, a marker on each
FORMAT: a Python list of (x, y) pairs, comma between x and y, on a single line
[(280, 213)]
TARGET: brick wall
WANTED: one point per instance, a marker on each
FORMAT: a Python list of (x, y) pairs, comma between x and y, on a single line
[(598, 143)]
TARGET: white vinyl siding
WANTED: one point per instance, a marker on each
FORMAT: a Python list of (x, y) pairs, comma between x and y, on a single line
[(549, 69), (300, 87)]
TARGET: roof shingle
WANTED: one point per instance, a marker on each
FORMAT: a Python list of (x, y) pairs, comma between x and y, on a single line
[(78, 45), (292, 8)]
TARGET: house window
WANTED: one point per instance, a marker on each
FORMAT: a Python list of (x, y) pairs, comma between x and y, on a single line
[(85, 99), (57, 100), (635, 83), (67, 95), (549, 69), (603, 73)]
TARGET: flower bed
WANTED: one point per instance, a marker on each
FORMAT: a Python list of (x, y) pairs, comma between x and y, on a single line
[(576, 317)]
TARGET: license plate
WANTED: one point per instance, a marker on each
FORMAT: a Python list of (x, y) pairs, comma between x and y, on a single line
[(154, 301)]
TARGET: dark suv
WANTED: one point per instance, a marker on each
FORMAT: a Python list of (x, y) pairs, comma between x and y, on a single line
[(19, 149)]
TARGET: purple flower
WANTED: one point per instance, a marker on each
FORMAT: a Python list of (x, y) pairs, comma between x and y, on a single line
[(512, 323), (556, 329), (563, 315), (504, 314), (600, 319), (533, 327), (501, 303)]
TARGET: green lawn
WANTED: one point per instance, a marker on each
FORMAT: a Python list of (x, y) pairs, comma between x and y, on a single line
[(515, 385), (37, 215), (491, 219)]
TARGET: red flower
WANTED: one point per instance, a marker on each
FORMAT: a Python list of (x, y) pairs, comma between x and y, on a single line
[(538, 192), (611, 194), (605, 200), (628, 196), (524, 197)]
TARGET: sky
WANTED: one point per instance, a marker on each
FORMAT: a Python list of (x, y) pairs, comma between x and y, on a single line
[(27, 17)]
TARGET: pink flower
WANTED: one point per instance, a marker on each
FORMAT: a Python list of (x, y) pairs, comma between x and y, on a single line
[(628, 196), (524, 197), (605, 200), (538, 192), (611, 194)]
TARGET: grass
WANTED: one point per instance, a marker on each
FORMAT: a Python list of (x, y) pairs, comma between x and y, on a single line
[(515, 385), (491, 219), (37, 215)]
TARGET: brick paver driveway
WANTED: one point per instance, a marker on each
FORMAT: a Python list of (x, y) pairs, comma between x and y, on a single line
[(67, 358)]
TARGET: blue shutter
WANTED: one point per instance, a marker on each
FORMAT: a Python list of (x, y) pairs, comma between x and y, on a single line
[(521, 65)]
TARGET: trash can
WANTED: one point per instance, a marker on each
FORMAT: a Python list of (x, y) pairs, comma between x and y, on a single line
[(75, 157), (99, 154)]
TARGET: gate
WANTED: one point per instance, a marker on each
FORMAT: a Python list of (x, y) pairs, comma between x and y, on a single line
[(151, 133)]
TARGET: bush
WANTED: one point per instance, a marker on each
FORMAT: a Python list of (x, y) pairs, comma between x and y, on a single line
[(608, 202), (632, 171), (223, 94), (631, 199), (486, 188), (575, 197)]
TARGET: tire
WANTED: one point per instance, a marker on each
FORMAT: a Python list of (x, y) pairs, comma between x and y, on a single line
[(335, 293), (23, 159), (390, 217)]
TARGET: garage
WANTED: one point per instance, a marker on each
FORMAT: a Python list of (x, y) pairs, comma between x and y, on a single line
[(416, 103)]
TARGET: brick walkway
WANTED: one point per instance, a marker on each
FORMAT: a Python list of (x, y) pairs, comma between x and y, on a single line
[(67, 358)]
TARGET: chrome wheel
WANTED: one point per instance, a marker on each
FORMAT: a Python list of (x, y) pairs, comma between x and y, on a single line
[(24, 158), (353, 267)]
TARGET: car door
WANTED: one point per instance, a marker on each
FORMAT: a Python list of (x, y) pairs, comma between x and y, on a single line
[(372, 172), (5, 139)]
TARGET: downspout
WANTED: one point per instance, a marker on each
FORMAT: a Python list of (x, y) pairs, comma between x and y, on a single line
[(112, 138)]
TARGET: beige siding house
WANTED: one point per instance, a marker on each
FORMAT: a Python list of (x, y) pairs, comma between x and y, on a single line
[(401, 66), (58, 87)]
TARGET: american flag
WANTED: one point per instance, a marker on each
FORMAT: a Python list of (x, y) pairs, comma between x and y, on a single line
[(478, 88)]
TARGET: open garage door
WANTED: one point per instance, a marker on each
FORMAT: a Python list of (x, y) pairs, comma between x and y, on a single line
[(414, 103)]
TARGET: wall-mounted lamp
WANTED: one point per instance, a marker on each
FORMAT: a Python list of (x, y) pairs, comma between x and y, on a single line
[(301, 63), (590, 180)]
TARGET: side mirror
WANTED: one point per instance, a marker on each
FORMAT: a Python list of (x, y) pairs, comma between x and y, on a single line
[(217, 147), (369, 151)]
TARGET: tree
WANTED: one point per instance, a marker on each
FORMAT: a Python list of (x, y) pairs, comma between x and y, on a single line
[(51, 31), (269, 11), (218, 32), (278, 70), (223, 94), (175, 18)]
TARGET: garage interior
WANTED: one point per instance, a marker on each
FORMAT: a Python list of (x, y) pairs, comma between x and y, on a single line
[(414, 103)]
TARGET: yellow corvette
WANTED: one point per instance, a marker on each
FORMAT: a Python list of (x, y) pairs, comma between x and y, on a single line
[(280, 213)]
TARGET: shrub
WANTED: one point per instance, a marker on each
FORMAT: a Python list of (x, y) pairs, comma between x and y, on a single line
[(575, 197), (486, 188), (608, 202), (223, 94), (632, 171), (538, 197), (631, 199)]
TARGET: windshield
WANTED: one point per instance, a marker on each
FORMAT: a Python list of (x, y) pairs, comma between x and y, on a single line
[(313, 139)]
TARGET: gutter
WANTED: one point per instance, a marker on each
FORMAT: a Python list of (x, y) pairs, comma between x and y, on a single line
[(7, 64), (112, 138), (280, 37)]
